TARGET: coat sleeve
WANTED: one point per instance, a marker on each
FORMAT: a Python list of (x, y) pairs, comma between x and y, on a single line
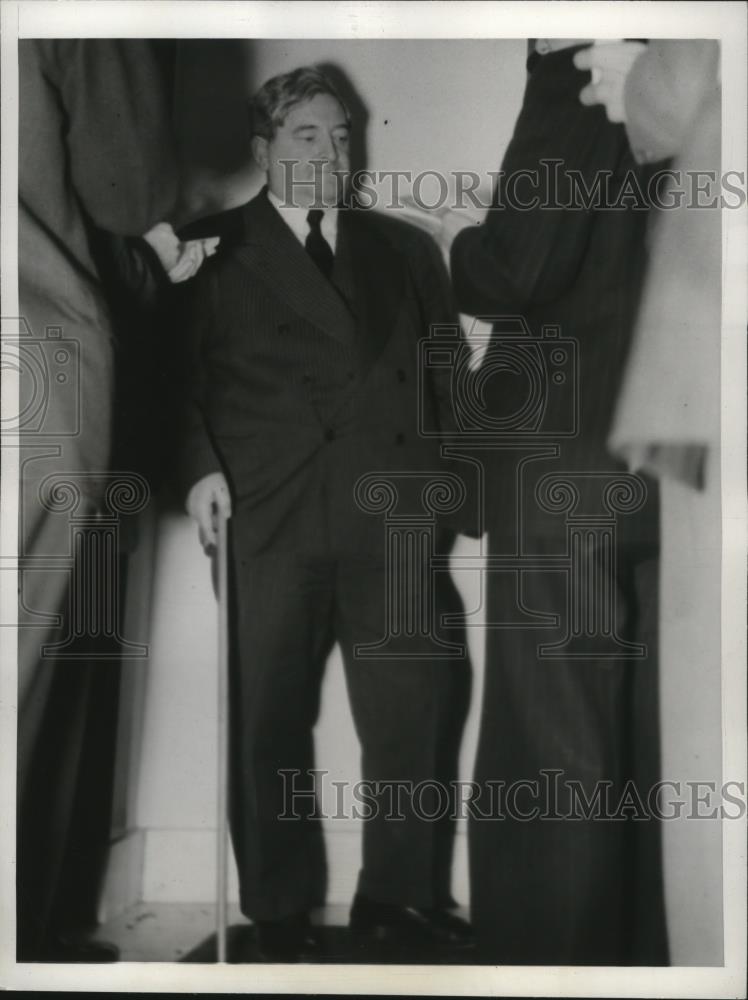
[(527, 250), (438, 308), (119, 140), (195, 452), (130, 271)]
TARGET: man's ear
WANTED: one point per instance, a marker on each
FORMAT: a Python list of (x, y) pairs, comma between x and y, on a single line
[(259, 147)]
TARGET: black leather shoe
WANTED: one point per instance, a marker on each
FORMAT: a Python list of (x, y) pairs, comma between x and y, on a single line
[(290, 939), (408, 926), (449, 928)]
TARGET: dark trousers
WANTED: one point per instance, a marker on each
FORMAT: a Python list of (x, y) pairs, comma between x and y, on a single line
[(575, 891), (64, 803), (408, 711)]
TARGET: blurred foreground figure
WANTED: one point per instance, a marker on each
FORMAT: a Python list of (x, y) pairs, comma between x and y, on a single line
[(94, 158), (671, 428), (570, 695)]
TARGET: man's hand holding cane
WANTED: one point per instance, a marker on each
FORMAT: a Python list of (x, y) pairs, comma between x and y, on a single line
[(208, 500)]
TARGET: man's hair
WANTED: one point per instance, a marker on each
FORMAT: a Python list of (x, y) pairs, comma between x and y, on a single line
[(272, 102)]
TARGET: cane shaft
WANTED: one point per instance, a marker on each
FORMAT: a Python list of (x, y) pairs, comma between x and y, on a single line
[(223, 694)]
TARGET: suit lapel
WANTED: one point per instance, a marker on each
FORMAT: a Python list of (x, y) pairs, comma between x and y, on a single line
[(343, 277), (274, 254), (368, 268), (359, 307)]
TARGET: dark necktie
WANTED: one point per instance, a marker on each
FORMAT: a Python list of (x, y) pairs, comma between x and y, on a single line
[(316, 245)]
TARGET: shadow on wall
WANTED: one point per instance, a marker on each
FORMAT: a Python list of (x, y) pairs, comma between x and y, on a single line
[(357, 109), (211, 122)]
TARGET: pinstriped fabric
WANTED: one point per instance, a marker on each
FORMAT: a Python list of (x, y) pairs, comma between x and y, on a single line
[(278, 260), (575, 268), (564, 892), (301, 385), (526, 257)]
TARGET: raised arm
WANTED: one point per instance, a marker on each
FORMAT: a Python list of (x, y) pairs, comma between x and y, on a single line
[(533, 253)]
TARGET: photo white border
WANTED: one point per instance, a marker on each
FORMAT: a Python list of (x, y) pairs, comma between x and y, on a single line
[(249, 19)]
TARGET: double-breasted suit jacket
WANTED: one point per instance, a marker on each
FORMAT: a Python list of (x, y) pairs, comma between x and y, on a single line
[(301, 386)]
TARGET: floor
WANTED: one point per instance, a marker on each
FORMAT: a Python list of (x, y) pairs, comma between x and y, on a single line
[(178, 932), (162, 932)]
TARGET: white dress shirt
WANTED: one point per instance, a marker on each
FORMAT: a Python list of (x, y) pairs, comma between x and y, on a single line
[(295, 219)]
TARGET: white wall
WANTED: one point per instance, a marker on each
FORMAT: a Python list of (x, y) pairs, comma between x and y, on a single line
[(431, 104)]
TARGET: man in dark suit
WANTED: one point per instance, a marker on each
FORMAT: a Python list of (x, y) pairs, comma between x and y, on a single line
[(546, 889), (305, 380)]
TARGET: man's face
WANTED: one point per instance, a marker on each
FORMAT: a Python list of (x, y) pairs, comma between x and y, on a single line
[(315, 138)]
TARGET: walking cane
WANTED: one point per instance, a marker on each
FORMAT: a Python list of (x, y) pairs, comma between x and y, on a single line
[(223, 741)]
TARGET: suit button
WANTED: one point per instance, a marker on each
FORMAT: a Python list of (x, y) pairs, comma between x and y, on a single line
[(306, 377), (400, 375), (283, 328), (400, 438), (329, 434)]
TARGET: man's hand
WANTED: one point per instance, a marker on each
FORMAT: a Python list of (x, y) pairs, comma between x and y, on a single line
[(208, 498), (453, 221), (180, 260), (609, 64)]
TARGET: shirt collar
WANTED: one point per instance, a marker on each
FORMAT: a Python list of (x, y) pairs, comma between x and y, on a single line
[(295, 219)]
